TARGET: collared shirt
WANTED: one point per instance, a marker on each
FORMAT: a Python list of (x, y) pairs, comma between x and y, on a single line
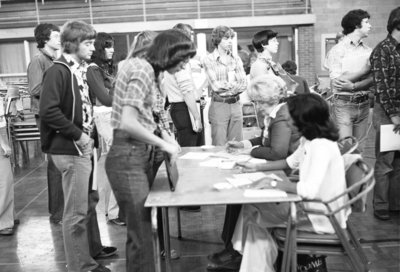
[(347, 56), (178, 85), (136, 87), (261, 67), (231, 71), (322, 176), (79, 70), (385, 62), (36, 68)]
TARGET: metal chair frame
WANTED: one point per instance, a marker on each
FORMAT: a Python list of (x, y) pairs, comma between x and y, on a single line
[(344, 241)]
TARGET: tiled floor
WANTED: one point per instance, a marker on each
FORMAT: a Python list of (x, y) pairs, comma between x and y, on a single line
[(37, 245)]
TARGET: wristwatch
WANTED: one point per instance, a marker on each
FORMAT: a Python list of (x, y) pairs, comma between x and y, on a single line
[(273, 183)]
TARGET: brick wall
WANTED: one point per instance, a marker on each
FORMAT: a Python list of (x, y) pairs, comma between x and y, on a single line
[(329, 14), (306, 53)]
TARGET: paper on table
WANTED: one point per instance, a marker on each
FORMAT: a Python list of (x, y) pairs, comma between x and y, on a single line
[(251, 176), (213, 162), (196, 155), (264, 193), (257, 161), (236, 182), (390, 141)]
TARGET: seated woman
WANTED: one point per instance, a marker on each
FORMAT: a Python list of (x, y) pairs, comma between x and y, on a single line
[(322, 175), (279, 139)]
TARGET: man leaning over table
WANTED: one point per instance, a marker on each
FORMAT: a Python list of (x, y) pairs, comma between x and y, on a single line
[(227, 79)]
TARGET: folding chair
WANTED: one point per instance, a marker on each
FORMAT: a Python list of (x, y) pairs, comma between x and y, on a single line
[(360, 181)]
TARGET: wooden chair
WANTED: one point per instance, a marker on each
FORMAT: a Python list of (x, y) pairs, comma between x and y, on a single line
[(360, 181)]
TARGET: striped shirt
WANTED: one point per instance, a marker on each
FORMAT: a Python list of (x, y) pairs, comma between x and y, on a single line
[(347, 56), (385, 62), (135, 86), (218, 72)]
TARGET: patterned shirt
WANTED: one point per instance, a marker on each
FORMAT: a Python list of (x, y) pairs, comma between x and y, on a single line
[(219, 72), (385, 65), (79, 70), (135, 86), (347, 56)]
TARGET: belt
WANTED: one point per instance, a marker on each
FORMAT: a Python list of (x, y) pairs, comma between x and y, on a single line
[(357, 99), (229, 99)]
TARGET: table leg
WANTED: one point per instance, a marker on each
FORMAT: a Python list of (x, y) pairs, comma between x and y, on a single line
[(178, 216), (167, 247), (156, 244), (293, 236)]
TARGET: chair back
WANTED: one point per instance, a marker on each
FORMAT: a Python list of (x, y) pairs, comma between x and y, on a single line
[(348, 145)]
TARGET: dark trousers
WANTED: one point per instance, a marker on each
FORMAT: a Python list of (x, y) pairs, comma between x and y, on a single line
[(54, 184), (181, 119), (231, 216), (127, 165)]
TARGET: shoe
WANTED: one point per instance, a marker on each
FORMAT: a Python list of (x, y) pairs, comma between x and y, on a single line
[(174, 254), (190, 208), (382, 214), (106, 252), (224, 260), (7, 231), (117, 221), (16, 222), (100, 268)]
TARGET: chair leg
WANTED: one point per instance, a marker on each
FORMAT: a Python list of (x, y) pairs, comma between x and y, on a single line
[(178, 217), (357, 264), (357, 245)]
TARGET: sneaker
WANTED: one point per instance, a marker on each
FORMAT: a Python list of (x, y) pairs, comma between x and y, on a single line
[(7, 231), (117, 221), (100, 268), (106, 252), (174, 254)]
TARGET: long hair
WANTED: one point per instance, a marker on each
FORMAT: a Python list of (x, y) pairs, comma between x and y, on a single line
[(42, 33), (218, 33), (103, 41), (168, 49), (141, 43), (353, 19), (310, 114), (75, 32)]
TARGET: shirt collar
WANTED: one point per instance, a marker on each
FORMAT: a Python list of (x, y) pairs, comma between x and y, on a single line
[(217, 56), (73, 63), (275, 110), (46, 53), (393, 41), (347, 40)]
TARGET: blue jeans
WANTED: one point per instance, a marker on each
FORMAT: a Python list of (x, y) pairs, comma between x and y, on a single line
[(387, 165), (226, 122), (351, 119), (128, 167), (181, 119), (79, 212)]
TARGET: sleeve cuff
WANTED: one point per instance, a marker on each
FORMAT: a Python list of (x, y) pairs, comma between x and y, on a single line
[(246, 144)]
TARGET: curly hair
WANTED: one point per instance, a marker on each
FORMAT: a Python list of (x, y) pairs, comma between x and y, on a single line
[(220, 32), (75, 32), (394, 20), (290, 67), (310, 114), (42, 33), (261, 38), (267, 88), (168, 49), (103, 41), (353, 19)]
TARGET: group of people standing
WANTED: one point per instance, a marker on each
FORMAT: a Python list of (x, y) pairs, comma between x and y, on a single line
[(79, 96)]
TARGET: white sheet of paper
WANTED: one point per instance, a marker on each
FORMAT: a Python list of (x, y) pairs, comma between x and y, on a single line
[(196, 155), (264, 193), (236, 182), (257, 161), (250, 176), (390, 141), (273, 176), (213, 162), (222, 186)]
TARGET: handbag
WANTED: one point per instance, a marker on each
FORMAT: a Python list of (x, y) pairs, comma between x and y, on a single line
[(311, 263), (291, 84)]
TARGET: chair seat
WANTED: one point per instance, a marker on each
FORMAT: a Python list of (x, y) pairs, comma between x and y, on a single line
[(305, 237)]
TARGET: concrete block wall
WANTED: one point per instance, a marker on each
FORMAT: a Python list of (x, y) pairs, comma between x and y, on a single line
[(306, 53)]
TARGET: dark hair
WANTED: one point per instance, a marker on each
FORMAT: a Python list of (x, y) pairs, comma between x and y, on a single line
[(141, 43), (353, 19), (103, 41), (262, 37), (185, 28), (310, 114), (394, 20), (168, 49), (42, 33), (290, 67), (75, 32), (218, 33)]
